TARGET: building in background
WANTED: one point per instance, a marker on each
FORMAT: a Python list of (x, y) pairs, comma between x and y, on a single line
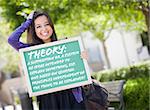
[(123, 47), (95, 51)]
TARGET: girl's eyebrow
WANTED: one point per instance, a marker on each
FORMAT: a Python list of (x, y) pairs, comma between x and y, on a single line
[(37, 24), (44, 23)]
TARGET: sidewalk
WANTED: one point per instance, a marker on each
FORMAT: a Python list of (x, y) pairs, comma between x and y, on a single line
[(18, 107)]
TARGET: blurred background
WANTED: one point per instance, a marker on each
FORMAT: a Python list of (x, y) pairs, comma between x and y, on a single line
[(116, 34)]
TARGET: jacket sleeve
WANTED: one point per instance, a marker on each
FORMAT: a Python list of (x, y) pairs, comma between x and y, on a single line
[(14, 38)]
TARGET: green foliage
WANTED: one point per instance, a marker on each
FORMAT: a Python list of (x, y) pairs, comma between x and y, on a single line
[(72, 17), (136, 94), (82, 12), (140, 70), (10, 11), (8, 56), (136, 89)]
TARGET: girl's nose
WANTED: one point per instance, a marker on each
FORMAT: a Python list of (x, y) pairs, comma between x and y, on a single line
[(43, 27)]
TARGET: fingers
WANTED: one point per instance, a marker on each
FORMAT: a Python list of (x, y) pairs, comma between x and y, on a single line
[(30, 16), (84, 55)]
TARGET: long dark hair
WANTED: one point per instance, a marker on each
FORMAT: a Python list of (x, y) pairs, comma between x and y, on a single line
[(31, 34)]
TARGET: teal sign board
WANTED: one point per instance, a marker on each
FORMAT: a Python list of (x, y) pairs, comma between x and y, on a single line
[(54, 66)]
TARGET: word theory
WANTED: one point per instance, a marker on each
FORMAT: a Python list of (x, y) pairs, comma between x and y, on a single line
[(36, 54)]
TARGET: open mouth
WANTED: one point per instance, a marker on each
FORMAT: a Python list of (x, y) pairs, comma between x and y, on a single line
[(45, 34)]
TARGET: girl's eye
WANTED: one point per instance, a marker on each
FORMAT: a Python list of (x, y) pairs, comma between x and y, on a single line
[(38, 26), (47, 24)]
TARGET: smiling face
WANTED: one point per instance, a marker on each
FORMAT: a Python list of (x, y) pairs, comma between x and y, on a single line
[(43, 29)]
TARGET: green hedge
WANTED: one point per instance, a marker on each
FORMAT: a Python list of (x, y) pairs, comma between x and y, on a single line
[(140, 70), (136, 94), (136, 89)]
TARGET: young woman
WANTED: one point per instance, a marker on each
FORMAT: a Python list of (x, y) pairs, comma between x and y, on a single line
[(42, 31)]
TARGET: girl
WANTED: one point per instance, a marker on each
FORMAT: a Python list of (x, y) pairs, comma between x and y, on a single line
[(42, 31)]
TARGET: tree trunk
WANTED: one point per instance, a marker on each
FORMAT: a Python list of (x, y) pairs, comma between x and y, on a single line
[(146, 12), (2, 78), (106, 55)]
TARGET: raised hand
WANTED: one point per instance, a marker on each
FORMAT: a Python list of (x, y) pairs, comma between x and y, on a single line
[(30, 16)]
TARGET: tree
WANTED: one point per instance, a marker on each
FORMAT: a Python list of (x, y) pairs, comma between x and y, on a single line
[(76, 16), (130, 13), (8, 57)]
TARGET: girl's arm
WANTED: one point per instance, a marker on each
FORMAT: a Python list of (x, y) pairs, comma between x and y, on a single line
[(14, 38)]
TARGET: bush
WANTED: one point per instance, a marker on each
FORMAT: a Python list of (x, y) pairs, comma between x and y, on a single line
[(131, 72), (136, 89), (136, 94)]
